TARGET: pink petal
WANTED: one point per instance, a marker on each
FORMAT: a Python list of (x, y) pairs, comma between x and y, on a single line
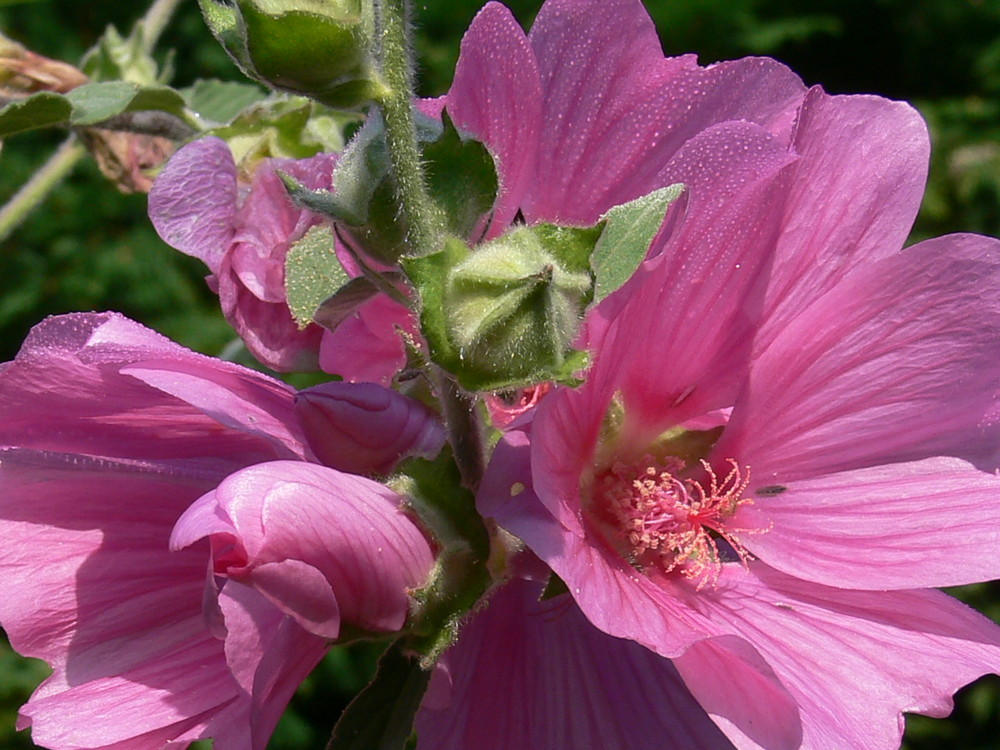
[(192, 203), (738, 689), (290, 516), (920, 524), (66, 392), (363, 428), (897, 363), (269, 654), (616, 110), (497, 97), (531, 674), (367, 346), (856, 660), (856, 192)]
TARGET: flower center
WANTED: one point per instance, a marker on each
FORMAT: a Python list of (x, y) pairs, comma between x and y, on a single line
[(662, 519)]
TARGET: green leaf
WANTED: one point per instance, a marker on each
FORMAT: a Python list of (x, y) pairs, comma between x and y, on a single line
[(89, 104), (221, 101), (628, 231), (118, 58), (37, 111), (96, 102), (312, 274), (381, 716)]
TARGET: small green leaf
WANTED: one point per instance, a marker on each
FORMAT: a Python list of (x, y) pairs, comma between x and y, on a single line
[(628, 231), (118, 58), (381, 716), (221, 101), (312, 274)]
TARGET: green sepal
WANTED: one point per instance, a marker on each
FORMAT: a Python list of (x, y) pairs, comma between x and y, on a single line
[(313, 274), (461, 175), (628, 231), (89, 105), (381, 716)]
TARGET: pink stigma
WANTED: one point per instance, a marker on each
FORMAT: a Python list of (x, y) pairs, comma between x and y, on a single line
[(661, 521)]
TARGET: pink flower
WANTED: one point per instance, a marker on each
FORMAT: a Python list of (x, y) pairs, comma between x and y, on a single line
[(787, 437), (110, 433), (243, 235)]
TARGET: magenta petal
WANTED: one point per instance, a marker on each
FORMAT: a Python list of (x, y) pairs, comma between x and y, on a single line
[(368, 347), (616, 110), (497, 97), (531, 674), (192, 203), (915, 525), (363, 428), (291, 518), (856, 660), (857, 188), (898, 362)]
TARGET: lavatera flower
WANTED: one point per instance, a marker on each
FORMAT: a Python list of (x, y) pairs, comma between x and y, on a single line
[(116, 445), (786, 442)]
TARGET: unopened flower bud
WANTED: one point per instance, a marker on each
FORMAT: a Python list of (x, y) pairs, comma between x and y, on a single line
[(363, 428), (513, 307), (316, 48)]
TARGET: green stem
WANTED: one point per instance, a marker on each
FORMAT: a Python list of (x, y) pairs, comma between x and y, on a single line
[(155, 21), (36, 190), (397, 110)]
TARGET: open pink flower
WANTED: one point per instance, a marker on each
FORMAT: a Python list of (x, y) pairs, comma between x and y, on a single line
[(788, 434), (110, 433)]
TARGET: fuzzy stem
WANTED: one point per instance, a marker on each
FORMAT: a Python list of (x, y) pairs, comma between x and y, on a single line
[(396, 104), (36, 190), (155, 21)]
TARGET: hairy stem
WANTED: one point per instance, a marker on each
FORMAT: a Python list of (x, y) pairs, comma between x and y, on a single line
[(36, 190), (397, 109)]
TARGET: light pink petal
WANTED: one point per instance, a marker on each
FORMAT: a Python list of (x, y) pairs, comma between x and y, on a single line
[(921, 524), (269, 654), (192, 203), (347, 528), (67, 392), (497, 97), (738, 689), (856, 660), (531, 674), (367, 346), (257, 405), (616, 110), (899, 362), (856, 191), (363, 428), (151, 703)]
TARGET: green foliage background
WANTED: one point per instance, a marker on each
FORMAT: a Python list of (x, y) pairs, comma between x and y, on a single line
[(90, 248)]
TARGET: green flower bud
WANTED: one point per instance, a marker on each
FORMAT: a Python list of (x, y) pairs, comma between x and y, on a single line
[(317, 48), (512, 308)]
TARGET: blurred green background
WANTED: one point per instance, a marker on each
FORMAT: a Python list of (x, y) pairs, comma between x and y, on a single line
[(91, 248)]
